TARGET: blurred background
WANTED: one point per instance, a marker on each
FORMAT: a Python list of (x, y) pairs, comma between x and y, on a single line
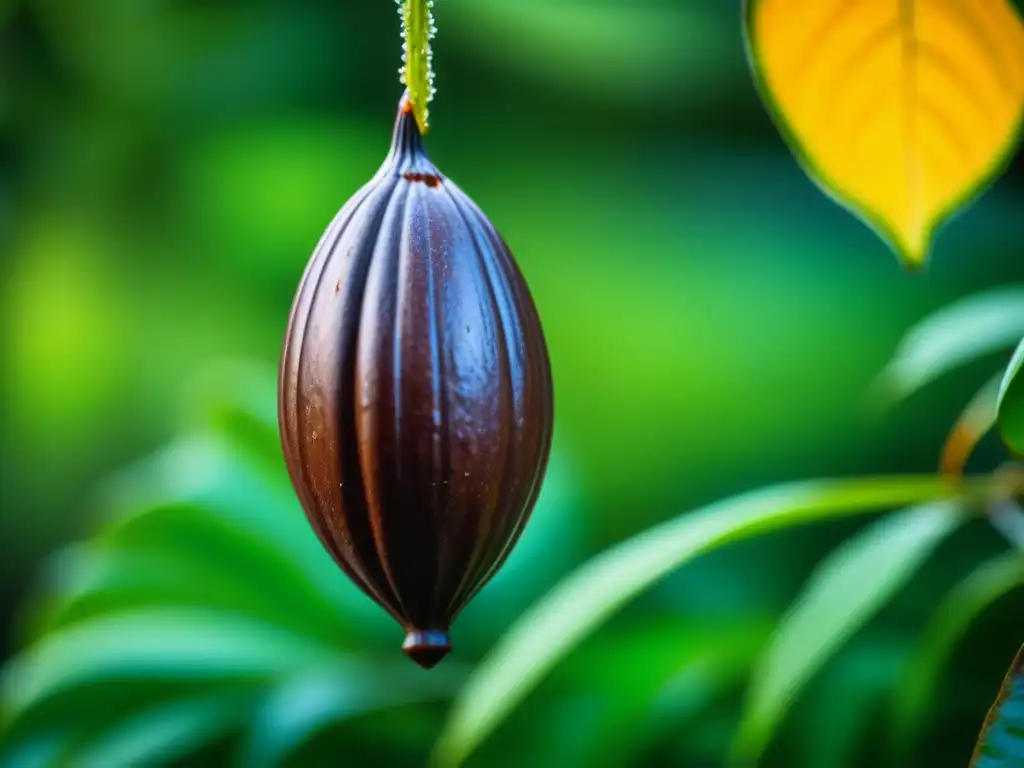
[(167, 166)]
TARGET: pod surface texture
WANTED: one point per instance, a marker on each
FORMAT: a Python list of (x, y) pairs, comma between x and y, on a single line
[(415, 396)]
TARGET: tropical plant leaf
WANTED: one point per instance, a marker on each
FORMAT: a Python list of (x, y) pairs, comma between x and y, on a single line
[(164, 733), (901, 111), (96, 580), (197, 526), (1011, 402), (631, 689), (154, 644), (204, 606), (687, 666), (971, 426), (846, 590), (923, 671), (1001, 744), (202, 473), (224, 660), (43, 750), (582, 602), (300, 707), (839, 709), (966, 330)]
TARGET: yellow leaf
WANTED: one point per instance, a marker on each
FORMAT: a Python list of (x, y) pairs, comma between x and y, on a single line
[(902, 110)]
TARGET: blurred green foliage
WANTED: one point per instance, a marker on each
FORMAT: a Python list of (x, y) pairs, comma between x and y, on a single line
[(714, 323), (1011, 402), (203, 619)]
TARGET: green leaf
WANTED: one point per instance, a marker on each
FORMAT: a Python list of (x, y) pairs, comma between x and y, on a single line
[(1001, 744), (161, 734), (201, 473), (845, 591), (41, 751), (916, 691), (1011, 402), (159, 645), (587, 598), (687, 665), (838, 711), (969, 329), (206, 579), (199, 563), (311, 702), (196, 526), (973, 423), (246, 569)]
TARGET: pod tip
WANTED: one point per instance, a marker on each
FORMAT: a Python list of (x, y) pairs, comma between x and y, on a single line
[(427, 647)]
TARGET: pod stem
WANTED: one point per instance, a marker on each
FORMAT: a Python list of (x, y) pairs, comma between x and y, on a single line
[(417, 73)]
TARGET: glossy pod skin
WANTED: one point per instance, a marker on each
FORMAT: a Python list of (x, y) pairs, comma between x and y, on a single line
[(415, 397)]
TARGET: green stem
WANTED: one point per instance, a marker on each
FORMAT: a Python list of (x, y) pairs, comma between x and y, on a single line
[(417, 75)]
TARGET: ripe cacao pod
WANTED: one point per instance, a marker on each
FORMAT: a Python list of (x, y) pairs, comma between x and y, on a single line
[(415, 398)]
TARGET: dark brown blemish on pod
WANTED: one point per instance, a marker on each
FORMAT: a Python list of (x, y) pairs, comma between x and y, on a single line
[(429, 179)]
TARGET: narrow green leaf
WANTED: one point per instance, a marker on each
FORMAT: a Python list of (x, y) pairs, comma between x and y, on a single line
[(838, 711), (1001, 744), (591, 595), (974, 422), (1011, 402), (181, 559), (42, 750), (979, 325), (245, 569), (846, 590), (217, 538), (916, 691), (201, 473), (305, 705), (167, 644), (688, 664), (160, 735)]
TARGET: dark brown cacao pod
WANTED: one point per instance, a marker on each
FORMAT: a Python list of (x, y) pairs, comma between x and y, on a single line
[(415, 398)]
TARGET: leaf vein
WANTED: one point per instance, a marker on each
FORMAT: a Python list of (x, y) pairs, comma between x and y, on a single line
[(989, 45)]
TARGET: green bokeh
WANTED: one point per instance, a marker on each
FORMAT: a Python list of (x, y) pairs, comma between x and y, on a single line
[(714, 321)]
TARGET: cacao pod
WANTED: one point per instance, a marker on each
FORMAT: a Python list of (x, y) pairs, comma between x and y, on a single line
[(415, 398)]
